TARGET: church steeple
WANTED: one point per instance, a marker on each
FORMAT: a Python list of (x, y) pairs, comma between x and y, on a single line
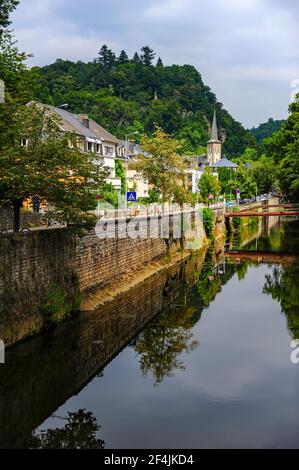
[(214, 131), (214, 144)]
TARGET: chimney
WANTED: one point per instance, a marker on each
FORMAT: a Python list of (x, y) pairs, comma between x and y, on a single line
[(85, 120)]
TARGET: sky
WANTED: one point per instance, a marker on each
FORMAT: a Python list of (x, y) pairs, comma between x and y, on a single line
[(246, 50)]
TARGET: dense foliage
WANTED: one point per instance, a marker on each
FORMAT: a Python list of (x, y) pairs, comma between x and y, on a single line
[(283, 149), (121, 93), (6, 7), (164, 169), (266, 129), (208, 185)]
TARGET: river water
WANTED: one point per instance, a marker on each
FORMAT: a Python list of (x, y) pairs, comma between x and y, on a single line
[(199, 356)]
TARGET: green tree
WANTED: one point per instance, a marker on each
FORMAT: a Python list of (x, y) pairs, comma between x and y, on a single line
[(266, 129), (265, 175), (106, 58), (159, 62), (123, 57), (147, 56), (136, 57), (48, 167), (162, 166), (283, 148), (6, 7), (243, 179), (208, 184)]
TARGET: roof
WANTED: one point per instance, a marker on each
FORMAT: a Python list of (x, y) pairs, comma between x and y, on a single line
[(75, 122), (224, 163), (101, 133)]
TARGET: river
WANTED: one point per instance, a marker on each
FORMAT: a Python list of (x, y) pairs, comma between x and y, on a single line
[(198, 356)]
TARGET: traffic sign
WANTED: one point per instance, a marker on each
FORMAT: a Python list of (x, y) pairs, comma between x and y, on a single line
[(131, 196)]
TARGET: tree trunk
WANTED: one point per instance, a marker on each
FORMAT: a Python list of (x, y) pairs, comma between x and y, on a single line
[(16, 214)]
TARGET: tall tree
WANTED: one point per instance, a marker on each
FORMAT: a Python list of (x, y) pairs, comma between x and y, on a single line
[(106, 58), (147, 55), (159, 62), (162, 166), (283, 147), (208, 184), (123, 57), (136, 57), (6, 7), (58, 173)]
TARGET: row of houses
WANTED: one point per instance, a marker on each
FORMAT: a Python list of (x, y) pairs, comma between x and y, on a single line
[(105, 147)]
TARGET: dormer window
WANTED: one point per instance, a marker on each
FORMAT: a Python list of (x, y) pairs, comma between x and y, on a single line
[(98, 148), (108, 150), (89, 146)]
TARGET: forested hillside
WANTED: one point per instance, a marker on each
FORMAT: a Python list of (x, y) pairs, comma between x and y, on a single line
[(125, 94), (266, 129)]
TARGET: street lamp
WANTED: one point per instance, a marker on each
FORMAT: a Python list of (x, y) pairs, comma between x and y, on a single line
[(126, 186)]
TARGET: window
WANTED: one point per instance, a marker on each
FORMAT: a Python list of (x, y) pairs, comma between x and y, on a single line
[(99, 148), (89, 146), (108, 150), (24, 143)]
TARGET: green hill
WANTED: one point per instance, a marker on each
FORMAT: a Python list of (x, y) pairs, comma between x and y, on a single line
[(266, 129), (127, 94)]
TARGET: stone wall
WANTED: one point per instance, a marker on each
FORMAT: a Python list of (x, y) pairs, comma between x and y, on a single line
[(61, 362), (43, 272), (28, 219)]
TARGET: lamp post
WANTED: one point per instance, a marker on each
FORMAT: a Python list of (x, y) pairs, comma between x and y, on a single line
[(126, 185)]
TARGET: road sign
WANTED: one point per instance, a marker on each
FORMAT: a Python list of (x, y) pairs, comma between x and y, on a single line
[(131, 196), (238, 192)]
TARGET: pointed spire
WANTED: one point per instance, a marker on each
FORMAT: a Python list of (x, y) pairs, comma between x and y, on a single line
[(214, 131)]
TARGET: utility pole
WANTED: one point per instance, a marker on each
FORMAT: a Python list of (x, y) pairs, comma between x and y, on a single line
[(126, 185)]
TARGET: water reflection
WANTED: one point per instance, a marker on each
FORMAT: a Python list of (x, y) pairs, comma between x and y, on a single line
[(79, 432), (217, 353), (283, 287), (160, 345)]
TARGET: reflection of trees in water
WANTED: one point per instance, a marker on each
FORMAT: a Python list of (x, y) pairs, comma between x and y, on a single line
[(208, 284), (79, 432), (283, 286), (159, 346)]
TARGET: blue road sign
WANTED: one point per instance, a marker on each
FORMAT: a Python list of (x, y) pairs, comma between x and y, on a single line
[(131, 196)]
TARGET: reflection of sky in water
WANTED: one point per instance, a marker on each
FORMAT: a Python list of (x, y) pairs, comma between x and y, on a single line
[(238, 389)]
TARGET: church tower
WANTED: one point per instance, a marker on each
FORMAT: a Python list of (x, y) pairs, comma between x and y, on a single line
[(214, 144)]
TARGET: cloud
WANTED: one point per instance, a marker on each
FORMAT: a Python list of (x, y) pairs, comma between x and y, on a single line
[(244, 49)]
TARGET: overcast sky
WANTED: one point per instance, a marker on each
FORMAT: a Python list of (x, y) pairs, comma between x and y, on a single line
[(246, 50)]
